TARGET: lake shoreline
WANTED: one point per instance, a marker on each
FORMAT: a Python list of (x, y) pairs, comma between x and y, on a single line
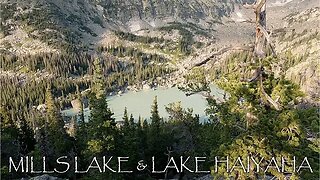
[(139, 103)]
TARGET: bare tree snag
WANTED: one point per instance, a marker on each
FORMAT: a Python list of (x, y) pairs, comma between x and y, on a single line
[(261, 23), (262, 42), (262, 36)]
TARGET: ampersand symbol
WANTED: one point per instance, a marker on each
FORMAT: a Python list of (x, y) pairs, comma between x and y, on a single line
[(141, 166)]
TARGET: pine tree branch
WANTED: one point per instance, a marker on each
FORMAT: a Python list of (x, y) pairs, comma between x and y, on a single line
[(275, 104), (221, 51), (256, 75)]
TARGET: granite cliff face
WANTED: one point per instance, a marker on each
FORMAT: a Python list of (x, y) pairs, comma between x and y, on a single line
[(159, 9), (81, 22)]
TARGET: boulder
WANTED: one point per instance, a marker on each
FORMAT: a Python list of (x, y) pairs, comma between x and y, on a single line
[(41, 108), (76, 104)]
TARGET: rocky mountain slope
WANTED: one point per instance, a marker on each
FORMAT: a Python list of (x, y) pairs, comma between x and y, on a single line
[(182, 31), (63, 24), (294, 27), (302, 44)]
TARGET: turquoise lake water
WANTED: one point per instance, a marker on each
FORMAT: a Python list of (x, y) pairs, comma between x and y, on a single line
[(139, 103)]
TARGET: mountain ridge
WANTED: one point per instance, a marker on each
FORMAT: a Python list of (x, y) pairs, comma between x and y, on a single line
[(192, 27)]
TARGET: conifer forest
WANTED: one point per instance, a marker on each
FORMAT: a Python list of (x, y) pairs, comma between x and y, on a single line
[(85, 84)]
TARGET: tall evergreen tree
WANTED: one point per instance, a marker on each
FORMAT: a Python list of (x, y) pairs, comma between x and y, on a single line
[(79, 97), (9, 142), (157, 142), (52, 112), (101, 126), (59, 140), (142, 138), (125, 118), (131, 122), (26, 137), (155, 118), (98, 85)]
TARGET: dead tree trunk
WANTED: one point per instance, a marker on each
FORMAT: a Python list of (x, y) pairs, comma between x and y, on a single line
[(261, 25), (262, 41), (260, 48)]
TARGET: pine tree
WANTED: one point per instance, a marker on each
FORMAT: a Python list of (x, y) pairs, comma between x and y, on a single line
[(81, 113), (9, 142), (101, 125), (55, 133), (26, 137), (131, 122), (50, 105), (249, 126), (98, 83), (145, 125), (156, 142), (53, 116), (155, 130), (155, 117), (142, 137), (125, 118)]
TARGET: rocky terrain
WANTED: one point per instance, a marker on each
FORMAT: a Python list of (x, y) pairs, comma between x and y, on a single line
[(294, 31), (86, 23), (34, 26)]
